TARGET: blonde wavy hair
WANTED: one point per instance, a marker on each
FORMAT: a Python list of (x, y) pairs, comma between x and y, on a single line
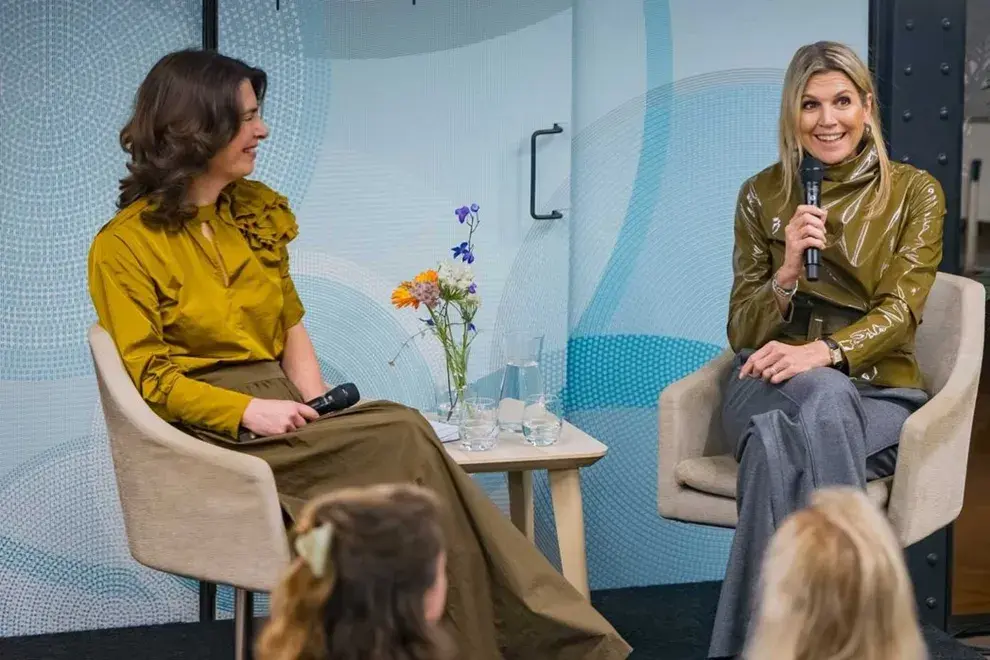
[(808, 61), (835, 587), (368, 602)]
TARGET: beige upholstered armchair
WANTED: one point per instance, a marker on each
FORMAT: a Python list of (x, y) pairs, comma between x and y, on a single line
[(190, 508), (697, 472)]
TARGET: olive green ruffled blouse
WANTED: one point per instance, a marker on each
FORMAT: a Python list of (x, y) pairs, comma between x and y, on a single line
[(176, 301)]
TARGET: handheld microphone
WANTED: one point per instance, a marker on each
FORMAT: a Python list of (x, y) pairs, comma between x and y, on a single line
[(812, 172), (339, 398)]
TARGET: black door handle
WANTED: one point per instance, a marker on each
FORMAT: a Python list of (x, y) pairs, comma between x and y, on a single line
[(555, 214)]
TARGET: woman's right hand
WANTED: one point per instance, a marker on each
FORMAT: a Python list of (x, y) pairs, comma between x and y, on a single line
[(806, 229), (271, 416)]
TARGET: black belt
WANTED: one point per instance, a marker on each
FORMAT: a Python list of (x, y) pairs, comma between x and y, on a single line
[(814, 318)]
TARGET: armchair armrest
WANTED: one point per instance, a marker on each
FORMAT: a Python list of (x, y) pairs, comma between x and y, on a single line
[(689, 424), (930, 478)]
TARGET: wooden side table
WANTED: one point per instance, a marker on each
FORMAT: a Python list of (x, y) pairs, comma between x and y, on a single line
[(574, 450)]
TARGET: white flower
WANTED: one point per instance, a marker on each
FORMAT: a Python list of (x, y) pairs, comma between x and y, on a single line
[(472, 301), (455, 275)]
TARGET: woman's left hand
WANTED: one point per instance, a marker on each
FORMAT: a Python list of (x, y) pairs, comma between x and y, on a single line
[(777, 362)]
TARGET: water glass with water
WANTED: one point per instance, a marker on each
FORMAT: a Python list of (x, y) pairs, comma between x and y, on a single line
[(477, 424), (521, 379), (541, 423)]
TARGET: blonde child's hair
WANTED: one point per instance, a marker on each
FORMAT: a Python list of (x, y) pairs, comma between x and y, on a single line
[(834, 587)]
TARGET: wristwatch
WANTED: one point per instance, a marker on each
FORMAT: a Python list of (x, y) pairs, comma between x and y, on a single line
[(835, 354)]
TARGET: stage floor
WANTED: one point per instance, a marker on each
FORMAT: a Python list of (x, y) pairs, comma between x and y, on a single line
[(666, 623)]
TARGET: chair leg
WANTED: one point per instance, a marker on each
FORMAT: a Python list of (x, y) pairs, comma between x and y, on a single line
[(929, 563), (243, 624), (207, 602)]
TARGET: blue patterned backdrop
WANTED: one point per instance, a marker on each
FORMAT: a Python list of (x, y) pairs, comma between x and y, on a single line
[(385, 116)]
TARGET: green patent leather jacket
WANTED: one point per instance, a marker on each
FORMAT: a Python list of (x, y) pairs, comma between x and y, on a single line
[(875, 273)]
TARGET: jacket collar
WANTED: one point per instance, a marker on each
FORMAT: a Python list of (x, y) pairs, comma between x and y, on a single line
[(861, 167)]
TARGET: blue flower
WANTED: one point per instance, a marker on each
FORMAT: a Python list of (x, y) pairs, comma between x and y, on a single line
[(473, 288), (474, 208), (463, 251), (471, 327), (428, 322), (462, 214)]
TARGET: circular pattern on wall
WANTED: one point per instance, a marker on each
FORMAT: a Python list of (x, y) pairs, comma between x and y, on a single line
[(64, 561), (67, 90), (356, 332), (534, 296), (297, 103), (723, 127), (703, 136), (658, 311), (357, 338)]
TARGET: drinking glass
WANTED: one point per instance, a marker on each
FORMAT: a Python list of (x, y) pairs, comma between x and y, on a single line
[(477, 424), (541, 424)]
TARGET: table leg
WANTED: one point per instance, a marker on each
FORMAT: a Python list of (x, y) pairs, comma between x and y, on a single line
[(207, 601), (565, 490), (521, 502)]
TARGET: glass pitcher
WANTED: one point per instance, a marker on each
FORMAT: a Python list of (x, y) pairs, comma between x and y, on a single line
[(521, 378)]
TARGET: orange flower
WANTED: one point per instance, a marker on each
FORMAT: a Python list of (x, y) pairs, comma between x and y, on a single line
[(402, 297), (427, 276)]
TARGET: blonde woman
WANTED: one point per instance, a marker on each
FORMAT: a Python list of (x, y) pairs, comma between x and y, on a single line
[(835, 587), (825, 372)]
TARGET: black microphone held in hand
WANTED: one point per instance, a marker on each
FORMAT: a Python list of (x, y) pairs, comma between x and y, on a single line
[(340, 397), (812, 172)]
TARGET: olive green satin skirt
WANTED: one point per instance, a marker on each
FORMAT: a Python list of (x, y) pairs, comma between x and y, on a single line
[(505, 599)]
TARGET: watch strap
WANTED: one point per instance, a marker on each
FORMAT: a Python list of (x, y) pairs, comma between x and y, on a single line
[(836, 355)]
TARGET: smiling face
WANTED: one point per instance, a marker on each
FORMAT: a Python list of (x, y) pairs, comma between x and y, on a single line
[(833, 117), (236, 160)]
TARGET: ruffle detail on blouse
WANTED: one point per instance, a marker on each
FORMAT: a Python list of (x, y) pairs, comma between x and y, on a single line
[(262, 215)]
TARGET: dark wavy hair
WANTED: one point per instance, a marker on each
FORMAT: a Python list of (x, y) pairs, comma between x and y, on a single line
[(186, 110), (385, 544)]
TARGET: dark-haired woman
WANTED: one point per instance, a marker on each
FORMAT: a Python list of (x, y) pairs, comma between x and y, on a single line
[(191, 279)]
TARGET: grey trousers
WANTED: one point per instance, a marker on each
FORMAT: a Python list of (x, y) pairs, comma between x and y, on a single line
[(817, 429)]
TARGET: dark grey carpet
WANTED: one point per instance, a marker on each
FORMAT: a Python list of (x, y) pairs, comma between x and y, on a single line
[(666, 623)]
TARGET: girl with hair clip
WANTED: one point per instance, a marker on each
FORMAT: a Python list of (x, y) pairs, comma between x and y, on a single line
[(835, 587), (368, 583)]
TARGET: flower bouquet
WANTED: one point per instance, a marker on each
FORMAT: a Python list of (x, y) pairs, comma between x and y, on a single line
[(449, 296)]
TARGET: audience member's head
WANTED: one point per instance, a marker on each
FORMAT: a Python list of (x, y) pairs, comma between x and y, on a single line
[(835, 587), (368, 582)]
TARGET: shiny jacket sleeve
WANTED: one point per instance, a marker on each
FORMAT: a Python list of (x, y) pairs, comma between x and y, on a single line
[(127, 308), (754, 314), (899, 299)]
